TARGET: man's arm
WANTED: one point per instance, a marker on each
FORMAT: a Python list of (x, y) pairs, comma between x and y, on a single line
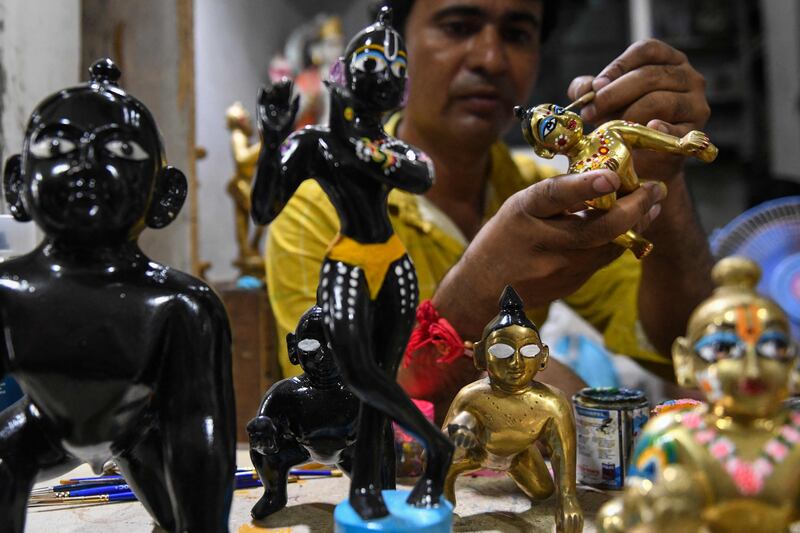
[(654, 84), (543, 253)]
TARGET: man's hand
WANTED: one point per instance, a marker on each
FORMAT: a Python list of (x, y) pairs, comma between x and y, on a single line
[(541, 248), (650, 83)]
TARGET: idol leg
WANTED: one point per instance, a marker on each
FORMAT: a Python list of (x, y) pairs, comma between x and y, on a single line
[(273, 470), (345, 463), (531, 475), (463, 466), (388, 458), (351, 328), (142, 468), (25, 449), (394, 320)]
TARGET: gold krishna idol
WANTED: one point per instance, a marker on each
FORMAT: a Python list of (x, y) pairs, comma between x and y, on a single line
[(552, 130), (496, 421), (731, 465)]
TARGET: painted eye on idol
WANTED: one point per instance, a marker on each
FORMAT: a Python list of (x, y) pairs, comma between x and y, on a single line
[(309, 345), (399, 68), (530, 350), (126, 150), (369, 62), (775, 345), (718, 346), (546, 126), (51, 146), (501, 350)]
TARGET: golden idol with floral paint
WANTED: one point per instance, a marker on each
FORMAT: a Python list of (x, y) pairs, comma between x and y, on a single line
[(552, 130), (730, 465)]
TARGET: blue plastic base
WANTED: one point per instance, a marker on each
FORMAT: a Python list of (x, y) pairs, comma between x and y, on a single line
[(402, 517)]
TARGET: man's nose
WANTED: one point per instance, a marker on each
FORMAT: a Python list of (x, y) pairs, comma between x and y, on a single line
[(488, 52)]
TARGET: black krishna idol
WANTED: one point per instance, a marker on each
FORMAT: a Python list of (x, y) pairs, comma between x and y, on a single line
[(368, 286), (119, 356)]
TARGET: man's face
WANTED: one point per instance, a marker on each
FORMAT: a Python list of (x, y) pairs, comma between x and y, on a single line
[(470, 62), (89, 163)]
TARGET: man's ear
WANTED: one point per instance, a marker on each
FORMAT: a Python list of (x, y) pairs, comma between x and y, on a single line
[(683, 360), (14, 188), (545, 357), (479, 355), (169, 193), (291, 345)]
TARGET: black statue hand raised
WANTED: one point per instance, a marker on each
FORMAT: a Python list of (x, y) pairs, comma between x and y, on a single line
[(276, 111)]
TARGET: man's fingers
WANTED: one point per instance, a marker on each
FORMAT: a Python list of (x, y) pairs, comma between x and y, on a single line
[(636, 209), (670, 107), (633, 85), (554, 196), (579, 86), (676, 130), (640, 53)]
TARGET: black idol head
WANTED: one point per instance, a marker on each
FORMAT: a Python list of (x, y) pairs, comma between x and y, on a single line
[(92, 168)]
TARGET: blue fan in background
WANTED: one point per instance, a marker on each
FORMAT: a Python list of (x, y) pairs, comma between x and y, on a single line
[(769, 234)]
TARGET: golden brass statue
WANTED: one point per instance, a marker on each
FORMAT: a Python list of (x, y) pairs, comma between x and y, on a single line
[(245, 155), (730, 465), (496, 421), (552, 130)]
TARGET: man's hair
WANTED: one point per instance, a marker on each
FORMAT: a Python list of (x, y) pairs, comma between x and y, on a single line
[(401, 9)]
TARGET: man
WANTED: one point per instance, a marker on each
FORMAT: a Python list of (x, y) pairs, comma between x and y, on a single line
[(489, 220)]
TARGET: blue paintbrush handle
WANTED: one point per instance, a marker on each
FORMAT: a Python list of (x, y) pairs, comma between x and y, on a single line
[(122, 497), (97, 491)]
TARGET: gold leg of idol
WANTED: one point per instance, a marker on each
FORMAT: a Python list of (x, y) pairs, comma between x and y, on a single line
[(640, 246)]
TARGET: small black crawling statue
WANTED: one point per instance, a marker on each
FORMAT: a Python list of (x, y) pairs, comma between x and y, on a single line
[(310, 417)]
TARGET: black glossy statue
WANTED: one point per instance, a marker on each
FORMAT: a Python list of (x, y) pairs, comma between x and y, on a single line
[(310, 417), (119, 357), (368, 286)]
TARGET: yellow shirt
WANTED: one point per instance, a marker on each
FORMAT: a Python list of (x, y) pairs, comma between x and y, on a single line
[(300, 235)]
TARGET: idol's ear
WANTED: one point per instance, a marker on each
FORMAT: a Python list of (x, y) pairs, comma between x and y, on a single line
[(479, 355), (683, 360), (13, 186), (545, 357), (541, 151), (291, 345), (169, 193)]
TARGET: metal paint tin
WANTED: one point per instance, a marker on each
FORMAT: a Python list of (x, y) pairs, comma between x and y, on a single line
[(607, 421)]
